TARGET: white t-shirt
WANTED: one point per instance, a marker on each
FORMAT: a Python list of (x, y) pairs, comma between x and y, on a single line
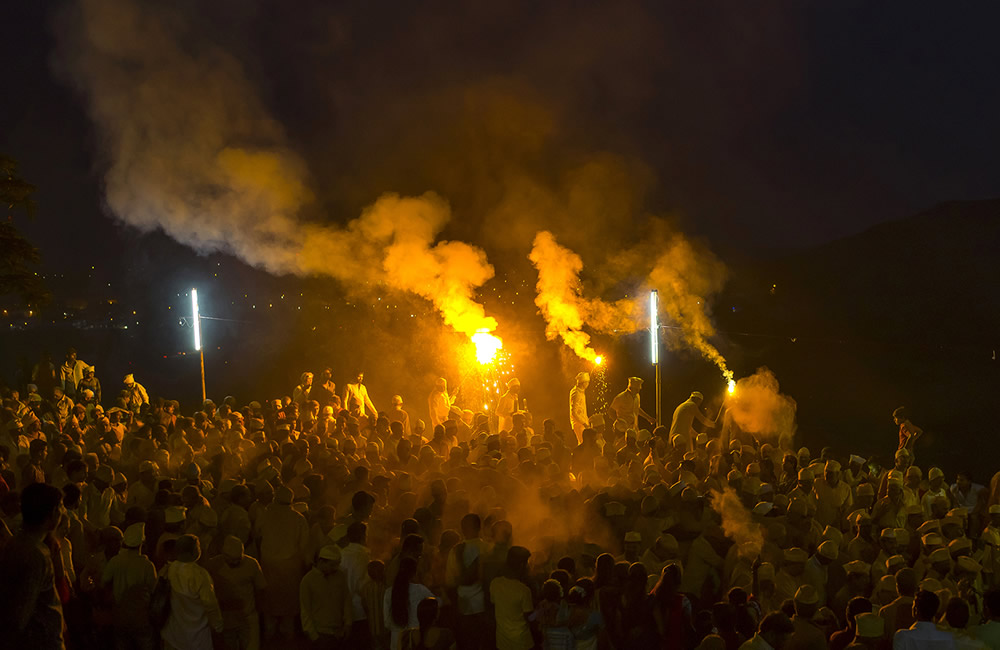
[(417, 593)]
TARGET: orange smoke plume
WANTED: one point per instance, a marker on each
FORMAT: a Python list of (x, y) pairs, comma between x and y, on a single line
[(686, 277), (562, 304), (758, 407), (737, 523), (176, 118)]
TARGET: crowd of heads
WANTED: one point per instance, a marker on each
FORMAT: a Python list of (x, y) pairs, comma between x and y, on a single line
[(623, 536)]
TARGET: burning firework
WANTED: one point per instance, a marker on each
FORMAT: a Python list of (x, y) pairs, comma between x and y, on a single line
[(731, 386), (598, 360), (487, 346), (486, 375)]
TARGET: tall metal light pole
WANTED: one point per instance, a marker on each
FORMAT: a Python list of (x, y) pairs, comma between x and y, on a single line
[(654, 346), (197, 338)]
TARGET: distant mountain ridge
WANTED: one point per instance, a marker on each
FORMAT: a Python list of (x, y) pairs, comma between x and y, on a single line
[(934, 274)]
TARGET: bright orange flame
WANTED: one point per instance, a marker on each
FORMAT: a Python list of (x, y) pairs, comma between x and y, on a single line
[(598, 360), (487, 346), (732, 386)]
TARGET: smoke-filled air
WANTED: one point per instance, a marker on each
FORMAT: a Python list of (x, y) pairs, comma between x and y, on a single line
[(758, 407), (737, 522), (687, 277), (562, 304), (189, 148)]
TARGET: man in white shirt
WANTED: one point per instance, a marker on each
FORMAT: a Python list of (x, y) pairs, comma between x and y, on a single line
[(359, 391), (936, 488), (578, 405), (685, 414), (354, 563), (967, 494), (71, 372), (397, 414), (507, 405), (439, 402), (924, 634), (627, 409)]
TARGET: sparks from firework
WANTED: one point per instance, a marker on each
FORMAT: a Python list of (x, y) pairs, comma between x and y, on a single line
[(486, 371), (598, 390), (598, 360)]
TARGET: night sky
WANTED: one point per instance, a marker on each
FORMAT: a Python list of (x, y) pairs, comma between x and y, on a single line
[(768, 127), (756, 128)]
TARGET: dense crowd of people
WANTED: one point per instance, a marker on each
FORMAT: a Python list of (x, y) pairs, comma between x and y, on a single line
[(318, 520)]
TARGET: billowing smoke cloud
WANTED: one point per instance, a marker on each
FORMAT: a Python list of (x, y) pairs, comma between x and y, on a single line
[(562, 304), (190, 149), (686, 278), (758, 407), (737, 522)]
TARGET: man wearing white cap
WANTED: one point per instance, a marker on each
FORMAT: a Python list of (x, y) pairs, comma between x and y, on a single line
[(936, 487), (869, 631), (129, 567), (397, 414), (136, 394), (325, 601), (806, 635), (98, 497), (194, 608), (685, 415), (283, 537), (132, 578), (507, 405), (855, 471), (817, 569), (439, 402), (237, 578), (627, 408), (832, 496), (91, 383), (174, 518)]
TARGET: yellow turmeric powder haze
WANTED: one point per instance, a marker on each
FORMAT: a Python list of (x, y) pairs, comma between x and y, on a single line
[(190, 149), (758, 407), (565, 309), (737, 522), (687, 277)]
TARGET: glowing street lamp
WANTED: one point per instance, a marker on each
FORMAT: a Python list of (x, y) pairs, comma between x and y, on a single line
[(654, 345), (196, 317)]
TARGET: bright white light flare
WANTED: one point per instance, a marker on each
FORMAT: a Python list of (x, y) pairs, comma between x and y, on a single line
[(197, 319), (487, 346), (654, 328)]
